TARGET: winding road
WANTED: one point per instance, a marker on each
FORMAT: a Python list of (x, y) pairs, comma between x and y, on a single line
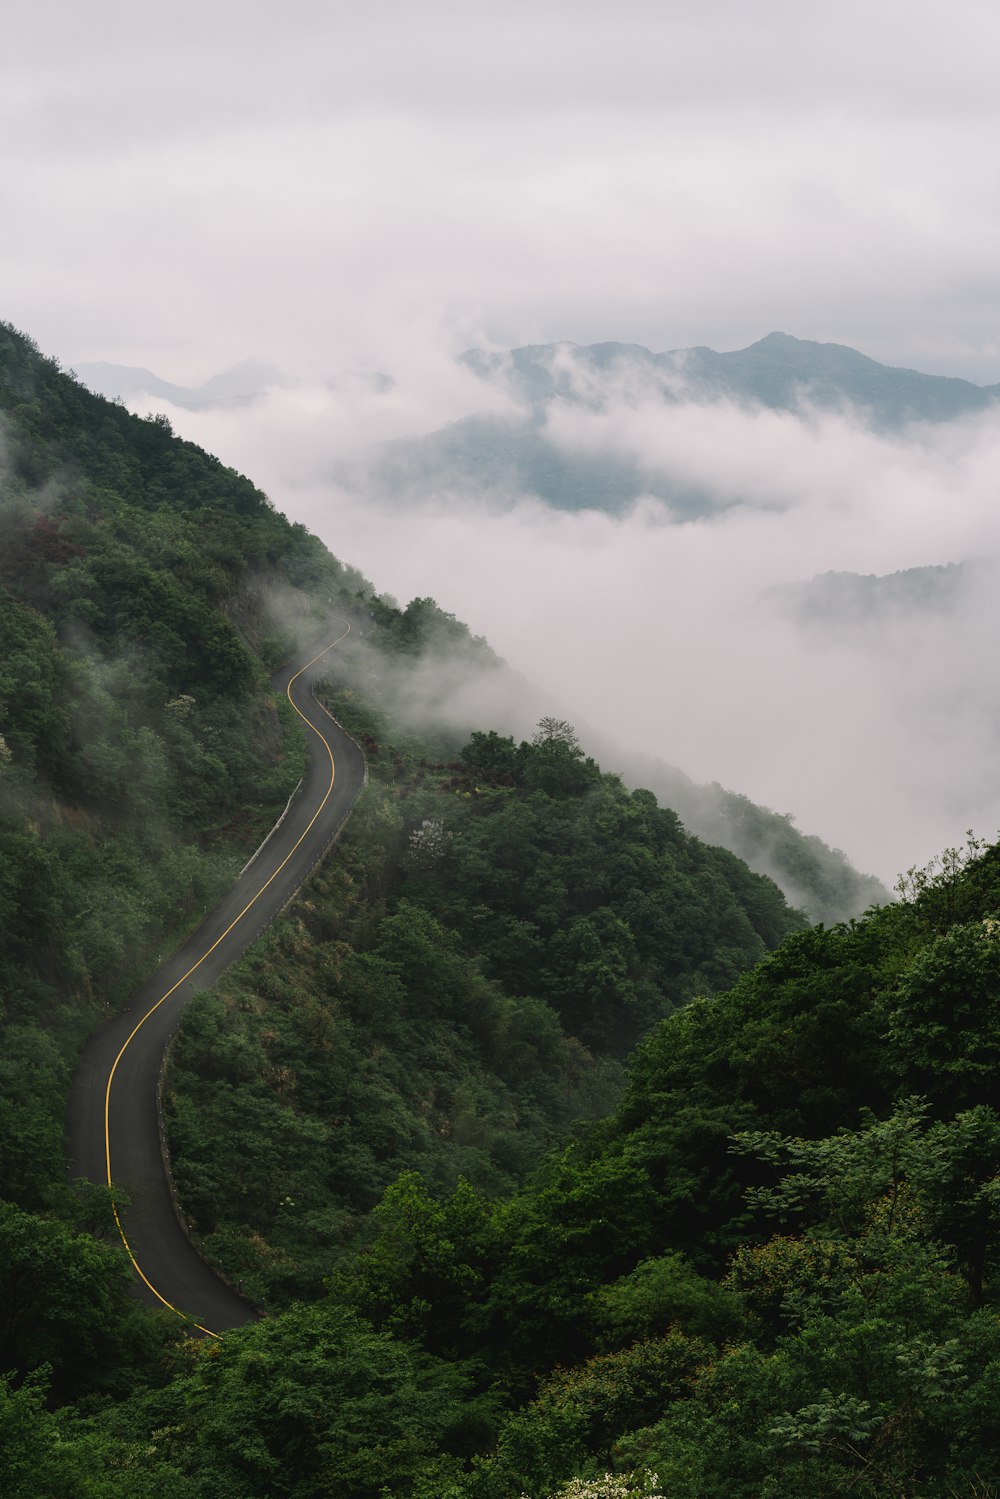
[(114, 1123)]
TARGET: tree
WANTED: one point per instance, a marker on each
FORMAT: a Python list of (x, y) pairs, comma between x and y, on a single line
[(66, 1307), (312, 1402), (555, 762), (943, 1017), (556, 731), (579, 1415), (428, 1268)]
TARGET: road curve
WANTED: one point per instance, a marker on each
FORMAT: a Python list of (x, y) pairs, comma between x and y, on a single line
[(113, 1125)]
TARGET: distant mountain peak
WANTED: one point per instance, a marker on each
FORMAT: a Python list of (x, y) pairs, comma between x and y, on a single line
[(242, 382), (515, 454), (777, 339), (779, 371)]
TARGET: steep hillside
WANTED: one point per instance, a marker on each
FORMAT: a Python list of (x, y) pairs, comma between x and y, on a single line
[(145, 591), (142, 590), (769, 1269), (773, 1269), (815, 878), (461, 984)]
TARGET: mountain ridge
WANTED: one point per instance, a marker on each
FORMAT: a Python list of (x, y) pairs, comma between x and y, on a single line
[(769, 371), (778, 359), (236, 385), (517, 453)]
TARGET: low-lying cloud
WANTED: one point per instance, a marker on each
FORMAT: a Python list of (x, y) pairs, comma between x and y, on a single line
[(880, 733)]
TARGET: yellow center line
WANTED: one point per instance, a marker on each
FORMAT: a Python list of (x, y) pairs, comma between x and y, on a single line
[(195, 966)]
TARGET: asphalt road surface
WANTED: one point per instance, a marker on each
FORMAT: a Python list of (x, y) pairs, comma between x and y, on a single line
[(113, 1126)]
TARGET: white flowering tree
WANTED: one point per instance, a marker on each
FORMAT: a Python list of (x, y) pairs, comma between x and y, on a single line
[(643, 1485), (428, 844)]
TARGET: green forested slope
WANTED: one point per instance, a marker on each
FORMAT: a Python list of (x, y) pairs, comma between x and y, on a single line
[(142, 755), (145, 590), (770, 1271), (459, 985), (767, 1269), (813, 876)]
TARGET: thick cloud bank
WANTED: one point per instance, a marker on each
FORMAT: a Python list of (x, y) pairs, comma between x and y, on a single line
[(180, 185), (873, 717)]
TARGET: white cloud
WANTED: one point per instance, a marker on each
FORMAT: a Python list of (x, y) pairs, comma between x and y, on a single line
[(883, 739), (185, 190), (328, 186)]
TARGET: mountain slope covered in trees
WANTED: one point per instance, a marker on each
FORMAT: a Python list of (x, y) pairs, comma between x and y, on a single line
[(770, 1271), (145, 591), (762, 1264), (143, 755), (491, 940)]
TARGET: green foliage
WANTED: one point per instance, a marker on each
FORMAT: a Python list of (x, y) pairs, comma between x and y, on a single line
[(340, 1068), (852, 1344), (33, 1082), (947, 1171), (67, 1310), (577, 892), (817, 879), (575, 1421), (661, 1292), (310, 1403), (141, 755), (425, 1008), (943, 1017), (428, 1267), (771, 1270), (423, 627), (34, 680), (53, 1455)]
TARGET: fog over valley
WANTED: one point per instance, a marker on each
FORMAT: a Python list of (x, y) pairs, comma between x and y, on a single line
[(374, 259), (680, 624)]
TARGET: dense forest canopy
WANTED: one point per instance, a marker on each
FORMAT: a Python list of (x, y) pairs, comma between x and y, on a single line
[(463, 982), (562, 1158)]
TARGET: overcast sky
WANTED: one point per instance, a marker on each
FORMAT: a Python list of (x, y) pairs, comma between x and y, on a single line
[(183, 186)]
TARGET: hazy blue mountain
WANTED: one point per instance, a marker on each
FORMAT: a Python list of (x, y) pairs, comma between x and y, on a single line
[(778, 371), (233, 387), (841, 600), (502, 458), (508, 456), (121, 382)]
